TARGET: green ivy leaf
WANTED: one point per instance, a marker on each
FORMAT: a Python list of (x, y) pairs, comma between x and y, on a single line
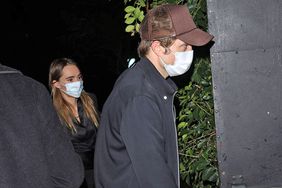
[(184, 136), (202, 114), (127, 15), (141, 16), (129, 20), (202, 164), (196, 78), (214, 177), (136, 13), (201, 144), (129, 9), (137, 27), (142, 3), (207, 173), (182, 124), (129, 28), (181, 167)]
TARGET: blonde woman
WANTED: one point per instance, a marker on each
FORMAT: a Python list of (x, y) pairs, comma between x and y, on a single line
[(77, 111)]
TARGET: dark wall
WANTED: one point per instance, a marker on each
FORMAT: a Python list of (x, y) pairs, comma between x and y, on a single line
[(247, 74)]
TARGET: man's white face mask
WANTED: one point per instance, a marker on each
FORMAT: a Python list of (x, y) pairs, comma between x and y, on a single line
[(182, 63)]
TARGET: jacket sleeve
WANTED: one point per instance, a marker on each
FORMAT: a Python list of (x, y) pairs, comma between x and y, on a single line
[(65, 166), (142, 132)]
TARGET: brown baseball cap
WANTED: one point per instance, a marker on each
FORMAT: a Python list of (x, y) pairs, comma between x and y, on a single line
[(183, 26)]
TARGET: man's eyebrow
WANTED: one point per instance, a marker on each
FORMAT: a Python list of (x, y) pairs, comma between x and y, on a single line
[(184, 44)]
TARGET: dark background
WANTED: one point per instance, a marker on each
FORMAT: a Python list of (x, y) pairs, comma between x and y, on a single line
[(33, 33)]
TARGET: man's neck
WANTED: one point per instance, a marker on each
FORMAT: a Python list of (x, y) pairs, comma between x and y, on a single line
[(157, 64)]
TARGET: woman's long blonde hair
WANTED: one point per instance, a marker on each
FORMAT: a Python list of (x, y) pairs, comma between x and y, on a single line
[(62, 107)]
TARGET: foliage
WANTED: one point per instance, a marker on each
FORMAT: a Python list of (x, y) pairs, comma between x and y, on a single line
[(134, 16), (134, 12), (196, 133), (196, 126)]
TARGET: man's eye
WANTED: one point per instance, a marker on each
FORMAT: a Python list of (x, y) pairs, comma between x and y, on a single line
[(183, 48)]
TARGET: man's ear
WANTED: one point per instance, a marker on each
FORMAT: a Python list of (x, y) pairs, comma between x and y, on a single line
[(157, 48)]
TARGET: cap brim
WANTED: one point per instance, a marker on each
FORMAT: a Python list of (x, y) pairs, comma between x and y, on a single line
[(196, 37)]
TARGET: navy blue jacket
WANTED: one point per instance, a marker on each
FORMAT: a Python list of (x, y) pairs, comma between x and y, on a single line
[(136, 145), (34, 150)]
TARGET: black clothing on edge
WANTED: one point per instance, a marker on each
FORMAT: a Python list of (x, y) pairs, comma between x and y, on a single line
[(35, 151), (83, 141)]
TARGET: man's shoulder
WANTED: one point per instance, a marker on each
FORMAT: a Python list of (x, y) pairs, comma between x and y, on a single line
[(14, 78), (133, 75), (8, 70), (131, 80)]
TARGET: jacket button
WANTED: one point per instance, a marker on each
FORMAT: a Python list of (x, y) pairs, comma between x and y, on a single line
[(165, 97)]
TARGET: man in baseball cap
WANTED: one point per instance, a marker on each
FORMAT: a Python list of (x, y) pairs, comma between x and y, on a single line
[(173, 21), (168, 33), (136, 145)]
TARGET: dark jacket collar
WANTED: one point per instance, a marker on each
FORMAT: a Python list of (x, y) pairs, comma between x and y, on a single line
[(165, 86)]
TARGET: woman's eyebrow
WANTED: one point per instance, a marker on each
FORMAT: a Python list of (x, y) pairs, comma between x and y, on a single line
[(69, 77)]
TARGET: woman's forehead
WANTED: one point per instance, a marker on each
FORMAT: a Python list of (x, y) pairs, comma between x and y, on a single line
[(70, 70)]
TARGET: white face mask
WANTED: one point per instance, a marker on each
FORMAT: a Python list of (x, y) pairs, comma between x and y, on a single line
[(74, 89), (182, 63)]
